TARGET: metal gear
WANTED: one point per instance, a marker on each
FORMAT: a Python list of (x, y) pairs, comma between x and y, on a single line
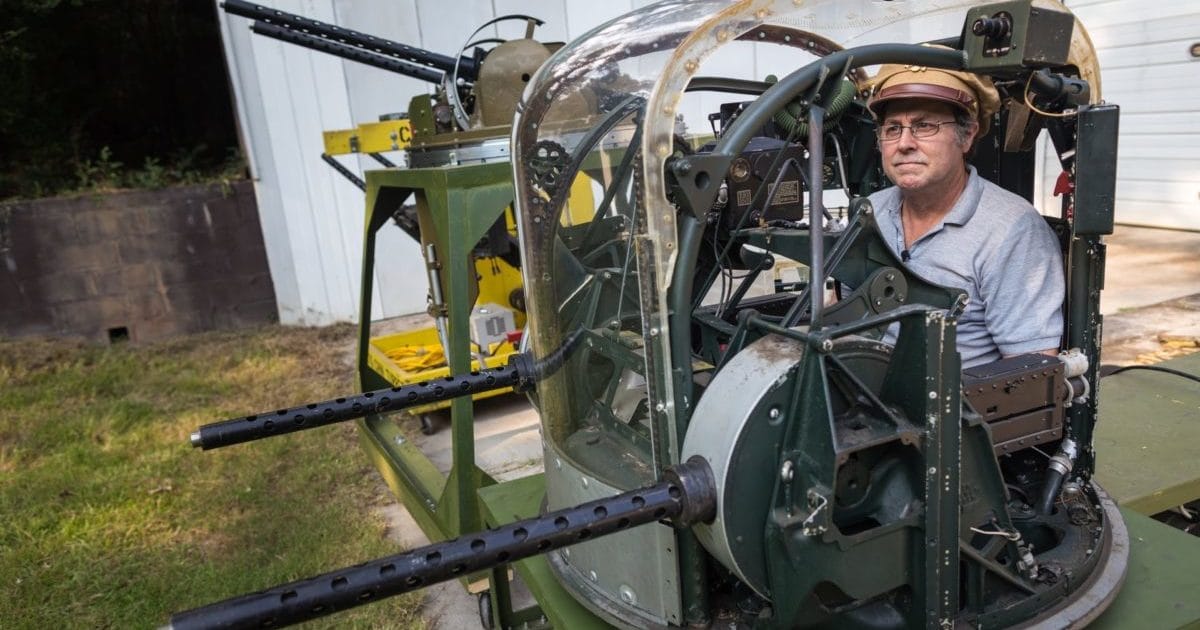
[(546, 162)]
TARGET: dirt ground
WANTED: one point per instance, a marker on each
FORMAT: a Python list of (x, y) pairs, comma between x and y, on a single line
[(1152, 333)]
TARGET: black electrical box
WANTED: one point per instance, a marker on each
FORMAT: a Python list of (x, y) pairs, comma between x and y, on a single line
[(1016, 36)]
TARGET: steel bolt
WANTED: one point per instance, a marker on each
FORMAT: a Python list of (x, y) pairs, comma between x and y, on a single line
[(787, 471)]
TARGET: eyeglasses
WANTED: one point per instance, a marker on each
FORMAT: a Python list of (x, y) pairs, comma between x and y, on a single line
[(919, 129)]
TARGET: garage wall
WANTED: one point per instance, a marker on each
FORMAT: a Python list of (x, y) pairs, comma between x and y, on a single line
[(313, 218), (1147, 68), (286, 96)]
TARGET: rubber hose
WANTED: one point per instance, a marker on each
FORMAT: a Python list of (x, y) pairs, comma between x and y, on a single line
[(792, 119), (1054, 481)]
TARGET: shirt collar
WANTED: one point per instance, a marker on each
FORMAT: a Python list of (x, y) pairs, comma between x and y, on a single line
[(968, 201)]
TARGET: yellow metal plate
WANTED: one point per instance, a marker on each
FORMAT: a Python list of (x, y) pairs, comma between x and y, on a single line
[(372, 137)]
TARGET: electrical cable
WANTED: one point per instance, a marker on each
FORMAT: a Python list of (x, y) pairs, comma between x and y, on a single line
[(1154, 368), (1030, 105)]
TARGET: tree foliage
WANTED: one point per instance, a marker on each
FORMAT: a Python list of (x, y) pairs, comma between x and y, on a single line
[(113, 82)]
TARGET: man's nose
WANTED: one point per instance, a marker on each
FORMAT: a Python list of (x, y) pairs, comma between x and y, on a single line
[(907, 141)]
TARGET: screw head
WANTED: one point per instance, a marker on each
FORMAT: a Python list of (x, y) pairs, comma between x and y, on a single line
[(787, 471)]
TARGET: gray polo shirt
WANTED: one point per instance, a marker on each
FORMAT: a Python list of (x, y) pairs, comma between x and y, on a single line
[(998, 249)]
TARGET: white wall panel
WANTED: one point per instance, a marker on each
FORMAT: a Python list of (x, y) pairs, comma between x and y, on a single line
[(1149, 169), (1096, 15), (1158, 214), (282, 126), (1140, 123), (374, 92), (1146, 68), (252, 124), (1174, 28), (1139, 56)]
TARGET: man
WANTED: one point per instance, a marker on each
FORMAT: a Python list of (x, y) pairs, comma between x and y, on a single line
[(952, 227)]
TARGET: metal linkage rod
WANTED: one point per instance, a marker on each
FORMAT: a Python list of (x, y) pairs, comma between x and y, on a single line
[(687, 495), (311, 416), (468, 68), (816, 212), (345, 172)]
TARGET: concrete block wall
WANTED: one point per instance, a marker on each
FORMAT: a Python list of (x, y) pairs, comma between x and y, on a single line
[(141, 265)]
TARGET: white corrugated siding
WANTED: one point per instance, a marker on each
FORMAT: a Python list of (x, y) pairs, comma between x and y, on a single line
[(286, 96), (1147, 68)]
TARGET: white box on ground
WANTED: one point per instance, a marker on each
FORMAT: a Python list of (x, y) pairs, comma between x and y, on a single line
[(491, 323)]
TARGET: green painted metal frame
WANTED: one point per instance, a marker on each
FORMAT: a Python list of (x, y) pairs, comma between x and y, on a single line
[(456, 205), (1145, 440), (515, 500), (1161, 582)]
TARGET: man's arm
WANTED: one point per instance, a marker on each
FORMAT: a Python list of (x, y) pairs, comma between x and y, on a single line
[(1053, 352), (1023, 289)]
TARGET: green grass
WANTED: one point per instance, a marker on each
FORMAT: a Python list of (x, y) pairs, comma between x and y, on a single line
[(110, 519)]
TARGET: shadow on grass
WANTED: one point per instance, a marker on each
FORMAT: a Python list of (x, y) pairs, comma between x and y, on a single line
[(113, 520)]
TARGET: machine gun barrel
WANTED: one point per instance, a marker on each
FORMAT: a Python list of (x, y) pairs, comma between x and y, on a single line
[(687, 495), (337, 49), (468, 68), (522, 373), (313, 415)]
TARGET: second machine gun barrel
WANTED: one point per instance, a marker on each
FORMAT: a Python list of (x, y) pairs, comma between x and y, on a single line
[(313, 415), (687, 495), (468, 67), (338, 49), (522, 373)]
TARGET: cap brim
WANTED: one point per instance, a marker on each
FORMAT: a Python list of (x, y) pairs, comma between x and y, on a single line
[(926, 91)]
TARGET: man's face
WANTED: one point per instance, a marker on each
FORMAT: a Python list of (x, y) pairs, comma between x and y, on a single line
[(916, 164)]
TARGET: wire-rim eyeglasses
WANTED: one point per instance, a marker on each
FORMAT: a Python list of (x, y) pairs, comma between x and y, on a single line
[(919, 129)]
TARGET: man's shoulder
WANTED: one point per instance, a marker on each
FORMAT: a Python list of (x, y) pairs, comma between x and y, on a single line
[(884, 200), (1005, 218), (1003, 204)]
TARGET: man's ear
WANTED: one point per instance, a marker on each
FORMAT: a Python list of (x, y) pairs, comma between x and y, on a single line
[(972, 135)]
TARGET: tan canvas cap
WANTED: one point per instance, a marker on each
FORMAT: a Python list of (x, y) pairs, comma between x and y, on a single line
[(970, 92)]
